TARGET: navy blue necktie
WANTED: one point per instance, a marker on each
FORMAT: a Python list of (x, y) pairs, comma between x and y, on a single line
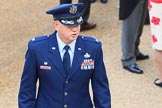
[(66, 60)]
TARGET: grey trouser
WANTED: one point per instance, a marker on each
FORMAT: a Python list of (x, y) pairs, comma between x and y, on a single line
[(131, 31)]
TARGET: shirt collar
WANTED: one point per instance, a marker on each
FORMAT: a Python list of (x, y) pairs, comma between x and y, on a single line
[(61, 44)]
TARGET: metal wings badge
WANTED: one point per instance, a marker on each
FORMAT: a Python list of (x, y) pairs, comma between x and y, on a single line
[(87, 55)]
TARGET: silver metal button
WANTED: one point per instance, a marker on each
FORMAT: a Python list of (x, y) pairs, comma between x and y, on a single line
[(66, 82), (65, 94), (65, 106)]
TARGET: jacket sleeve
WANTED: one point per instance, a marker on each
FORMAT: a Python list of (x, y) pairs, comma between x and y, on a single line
[(100, 85), (126, 7), (27, 91)]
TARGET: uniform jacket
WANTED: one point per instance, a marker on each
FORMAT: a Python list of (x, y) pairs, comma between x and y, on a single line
[(126, 8), (56, 90)]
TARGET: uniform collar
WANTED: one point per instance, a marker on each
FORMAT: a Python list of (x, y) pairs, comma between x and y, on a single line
[(61, 44)]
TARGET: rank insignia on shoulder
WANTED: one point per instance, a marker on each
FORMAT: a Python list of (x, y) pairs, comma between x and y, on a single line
[(91, 39), (39, 38), (33, 39), (97, 40), (87, 64)]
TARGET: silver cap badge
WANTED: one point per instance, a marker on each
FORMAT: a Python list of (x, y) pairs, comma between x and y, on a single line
[(73, 9)]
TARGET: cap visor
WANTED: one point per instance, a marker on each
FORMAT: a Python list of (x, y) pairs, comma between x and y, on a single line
[(72, 21)]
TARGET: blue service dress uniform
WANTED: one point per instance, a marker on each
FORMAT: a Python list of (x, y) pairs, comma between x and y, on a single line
[(56, 90)]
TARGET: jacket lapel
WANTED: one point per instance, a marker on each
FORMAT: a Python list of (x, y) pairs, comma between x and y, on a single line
[(78, 58), (55, 55)]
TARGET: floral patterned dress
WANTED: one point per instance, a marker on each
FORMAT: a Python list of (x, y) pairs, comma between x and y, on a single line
[(155, 11)]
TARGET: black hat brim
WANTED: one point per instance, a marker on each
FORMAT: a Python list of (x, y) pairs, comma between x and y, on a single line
[(71, 21)]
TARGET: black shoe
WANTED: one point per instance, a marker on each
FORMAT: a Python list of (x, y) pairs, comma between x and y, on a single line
[(156, 82), (142, 56), (134, 68)]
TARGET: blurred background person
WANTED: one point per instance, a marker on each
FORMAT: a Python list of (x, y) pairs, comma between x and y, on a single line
[(155, 11), (133, 14)]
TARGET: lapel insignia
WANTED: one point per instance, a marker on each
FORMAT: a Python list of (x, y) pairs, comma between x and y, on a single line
[(79, 49), (87, 64), (53, 48), (87, 55)]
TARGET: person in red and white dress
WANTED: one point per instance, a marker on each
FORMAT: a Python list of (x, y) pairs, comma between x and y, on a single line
[(155, 11)]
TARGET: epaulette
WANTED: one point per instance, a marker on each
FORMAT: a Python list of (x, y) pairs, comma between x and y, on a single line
[(90, 39), (39, 38)]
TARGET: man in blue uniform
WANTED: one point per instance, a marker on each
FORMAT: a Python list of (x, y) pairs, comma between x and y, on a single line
[(64, 63)]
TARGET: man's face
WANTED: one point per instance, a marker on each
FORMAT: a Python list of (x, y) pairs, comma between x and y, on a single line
[(66, 33)]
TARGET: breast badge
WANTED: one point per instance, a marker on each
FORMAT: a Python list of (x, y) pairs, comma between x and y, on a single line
[(45, 66), (87, 64)]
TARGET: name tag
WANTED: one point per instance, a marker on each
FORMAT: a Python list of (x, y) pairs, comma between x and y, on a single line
[(45, 67)]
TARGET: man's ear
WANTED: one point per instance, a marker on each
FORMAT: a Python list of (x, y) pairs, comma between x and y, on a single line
[(56, 24)]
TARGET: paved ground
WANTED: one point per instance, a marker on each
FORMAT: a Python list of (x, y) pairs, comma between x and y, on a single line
[(22, 20)]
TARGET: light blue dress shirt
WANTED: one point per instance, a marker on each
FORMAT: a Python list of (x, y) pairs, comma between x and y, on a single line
[(71, 50)]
